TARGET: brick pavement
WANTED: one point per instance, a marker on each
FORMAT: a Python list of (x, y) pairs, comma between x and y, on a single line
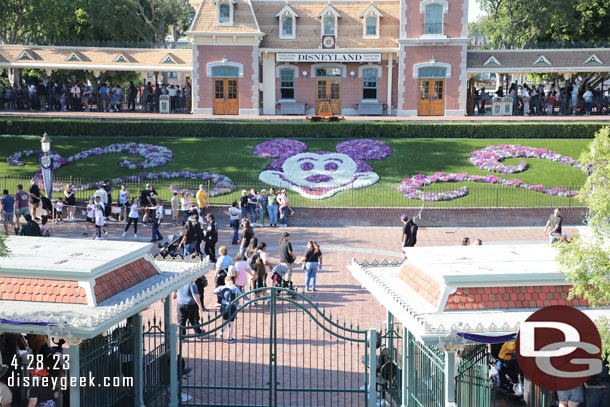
[(307, 353)]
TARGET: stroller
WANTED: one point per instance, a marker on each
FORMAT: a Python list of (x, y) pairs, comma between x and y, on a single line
[(277, 276), (171, 248)]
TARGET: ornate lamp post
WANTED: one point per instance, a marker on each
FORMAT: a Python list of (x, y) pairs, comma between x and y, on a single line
[(46, 164)]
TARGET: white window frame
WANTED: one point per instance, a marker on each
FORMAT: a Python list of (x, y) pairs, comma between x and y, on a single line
[(287, 11), (329, 11), (295, 73), (371, 11), (231, 4), (323, 65), (445, 5), (361, 74), (445, 65)]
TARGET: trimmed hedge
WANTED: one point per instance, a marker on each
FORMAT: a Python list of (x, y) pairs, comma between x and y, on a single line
[(193, 128)]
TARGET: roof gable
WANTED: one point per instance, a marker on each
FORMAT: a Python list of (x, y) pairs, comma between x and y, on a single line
[(167, 59), (371, 9), (287, 10), (593, 60), (492, 60), (542, 60), (74, 58), (329, 10), (120, 59), (25, 56)]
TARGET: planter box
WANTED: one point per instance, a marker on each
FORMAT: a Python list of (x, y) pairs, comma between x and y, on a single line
[(297, 108), (370, 109)]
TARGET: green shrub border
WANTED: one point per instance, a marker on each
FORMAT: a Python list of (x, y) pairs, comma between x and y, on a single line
[(193, 128)]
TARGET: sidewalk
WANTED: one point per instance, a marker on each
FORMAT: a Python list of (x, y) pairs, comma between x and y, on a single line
[(427, 119)]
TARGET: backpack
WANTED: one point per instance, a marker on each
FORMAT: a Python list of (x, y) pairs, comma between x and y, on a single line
[(253, 259), (228, 295)]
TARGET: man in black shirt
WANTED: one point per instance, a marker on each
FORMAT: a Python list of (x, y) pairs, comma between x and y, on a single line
[(553, 225), (34, 198), (211, 237), (147, 201), (409, 233), (287, 257), (191, 236), (108, 189), (133, 92)]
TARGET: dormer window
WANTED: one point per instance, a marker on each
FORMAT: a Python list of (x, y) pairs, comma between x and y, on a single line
[(329, 18), (287, 21), (329, 25), (224, 11), (370, 22)]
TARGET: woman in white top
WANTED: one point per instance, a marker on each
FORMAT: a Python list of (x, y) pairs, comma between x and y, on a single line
[(99, 223), (134, 214), (90, 215), (123, 199), (69, 193), (185, 206), (234, 215)]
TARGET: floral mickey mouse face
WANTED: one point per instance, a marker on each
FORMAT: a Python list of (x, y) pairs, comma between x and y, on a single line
[(321, 174)]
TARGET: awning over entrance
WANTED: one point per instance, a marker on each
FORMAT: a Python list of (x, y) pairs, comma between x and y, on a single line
[(539, 60), (96, 59)]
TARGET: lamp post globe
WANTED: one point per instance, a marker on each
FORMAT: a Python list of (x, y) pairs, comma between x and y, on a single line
[(45, 143)]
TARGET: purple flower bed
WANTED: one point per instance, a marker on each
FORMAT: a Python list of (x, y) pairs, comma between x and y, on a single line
[(490, 157)]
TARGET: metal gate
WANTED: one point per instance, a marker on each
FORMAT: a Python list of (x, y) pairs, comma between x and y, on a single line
[(289, 352), (472, 383), (155, 363), (426, 374)]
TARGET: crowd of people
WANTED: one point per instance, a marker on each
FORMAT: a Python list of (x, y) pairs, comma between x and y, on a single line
[(41, 95), (532, 100)]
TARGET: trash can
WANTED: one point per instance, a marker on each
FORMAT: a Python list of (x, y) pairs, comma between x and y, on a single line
[(496, 106), (164, 104), (507, 106)]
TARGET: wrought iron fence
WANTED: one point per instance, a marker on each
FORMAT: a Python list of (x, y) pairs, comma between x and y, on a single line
[(109, 356), (426, 371), (155, 363), (376, 195), (472, 384)]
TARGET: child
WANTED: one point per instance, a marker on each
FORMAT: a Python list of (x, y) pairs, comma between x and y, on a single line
[(228, 308), (242, 270), (62, 102), (90, 213), (99, 223), (46, 231), (59, 208), (175, 208), (284, 203), (134, 214)]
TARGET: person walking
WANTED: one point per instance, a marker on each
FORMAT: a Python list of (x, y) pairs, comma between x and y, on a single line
[(175, 203), (191, 236), (90, 215), (70, 195), (588, 97), (409, 233), (158, 213), (222, 269), (132, 93), (553, 225), (7, 208), (22, 207), (228, 293), (134, 215), (189, 306), (234, 214), (99, 223), (287, 256), (246, 237), (202, 199), (211, 237), (185, 206), (253, 206), (313, 264), (123, 201), (34, 198)]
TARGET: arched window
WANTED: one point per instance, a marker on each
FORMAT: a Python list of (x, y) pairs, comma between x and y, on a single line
[(225, 72), (434, 19), (329, 25), (224, 13), (369, 84)]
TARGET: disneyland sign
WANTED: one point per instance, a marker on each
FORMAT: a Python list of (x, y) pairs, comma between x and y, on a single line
[(327, 57)]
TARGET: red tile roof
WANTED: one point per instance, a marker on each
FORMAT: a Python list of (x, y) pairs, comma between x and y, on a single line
[(422, 283), (511, 297), (41, 290), (122, 278)]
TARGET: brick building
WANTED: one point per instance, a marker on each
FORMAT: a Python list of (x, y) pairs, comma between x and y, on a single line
[(381, 57)]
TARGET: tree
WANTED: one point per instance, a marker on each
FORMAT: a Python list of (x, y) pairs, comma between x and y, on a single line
[(586, 260), (159, 16)]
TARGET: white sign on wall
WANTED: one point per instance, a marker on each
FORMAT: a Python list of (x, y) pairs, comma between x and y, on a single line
[(327, 57)]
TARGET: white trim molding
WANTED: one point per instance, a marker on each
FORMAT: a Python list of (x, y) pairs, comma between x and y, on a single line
[(211, 65), (329, 10), (445, 65), (361, 68), (279, 68), (424, 3), (371, 11), (287, 11), (315, 66)]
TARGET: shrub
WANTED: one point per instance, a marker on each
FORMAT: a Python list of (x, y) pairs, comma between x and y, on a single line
[(195, 128)]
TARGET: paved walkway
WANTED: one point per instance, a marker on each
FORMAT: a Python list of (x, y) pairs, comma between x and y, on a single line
[(307, 353), (433, 119)]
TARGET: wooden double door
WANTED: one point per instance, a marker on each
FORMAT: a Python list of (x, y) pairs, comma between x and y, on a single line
[(226, 96), (328, 90), (431, 97)]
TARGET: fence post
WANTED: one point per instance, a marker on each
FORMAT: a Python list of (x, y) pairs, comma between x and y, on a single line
[(449, 378), (569, 195), (173, 366), (138, 361), (74, 353), (372, 390), (497, 195), (406, 364)]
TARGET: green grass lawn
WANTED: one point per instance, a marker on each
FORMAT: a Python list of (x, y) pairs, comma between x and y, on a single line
[(234, 158)]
